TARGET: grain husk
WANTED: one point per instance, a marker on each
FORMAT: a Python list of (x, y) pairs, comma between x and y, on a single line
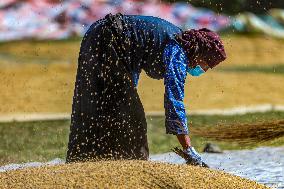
[(122, 174), (244, 133)]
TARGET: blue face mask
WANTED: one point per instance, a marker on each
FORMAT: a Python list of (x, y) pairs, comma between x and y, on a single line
[(197, 71)]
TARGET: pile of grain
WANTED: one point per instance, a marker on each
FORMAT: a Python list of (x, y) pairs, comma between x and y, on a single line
[(122, 174)]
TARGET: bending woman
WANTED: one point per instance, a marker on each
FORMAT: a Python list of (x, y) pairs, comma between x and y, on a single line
[(108, 119)]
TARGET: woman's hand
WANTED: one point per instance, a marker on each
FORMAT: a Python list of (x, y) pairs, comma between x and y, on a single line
[(191, 156)]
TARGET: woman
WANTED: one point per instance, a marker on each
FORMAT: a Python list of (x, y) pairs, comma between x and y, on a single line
[(108, 119)]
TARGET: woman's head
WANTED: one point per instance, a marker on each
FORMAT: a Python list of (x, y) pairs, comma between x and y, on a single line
[(203, 47)]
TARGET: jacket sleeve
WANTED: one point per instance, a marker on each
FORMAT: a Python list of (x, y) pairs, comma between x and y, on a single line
[(174, 80)]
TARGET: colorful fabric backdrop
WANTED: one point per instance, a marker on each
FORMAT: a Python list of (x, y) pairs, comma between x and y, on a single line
[(61, 19), (57, 19)]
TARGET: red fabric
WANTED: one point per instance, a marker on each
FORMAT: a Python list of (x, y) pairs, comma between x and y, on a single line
[(203, 44)]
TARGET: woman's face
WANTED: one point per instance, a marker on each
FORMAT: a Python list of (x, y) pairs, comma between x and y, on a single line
[(203, 64)]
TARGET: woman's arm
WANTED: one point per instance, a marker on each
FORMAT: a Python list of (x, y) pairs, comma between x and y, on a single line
[(184, 140), (175, 75)]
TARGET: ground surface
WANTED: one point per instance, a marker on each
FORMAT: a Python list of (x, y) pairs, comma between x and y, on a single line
[(123, 174), (39, 77), (43, 141)]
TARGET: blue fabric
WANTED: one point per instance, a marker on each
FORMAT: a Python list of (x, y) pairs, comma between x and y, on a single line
[(174, 80), (135, 76), (147, 36), (197, 71), (175, 61)]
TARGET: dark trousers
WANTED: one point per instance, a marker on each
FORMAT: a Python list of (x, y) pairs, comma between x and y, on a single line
[(108, 119)]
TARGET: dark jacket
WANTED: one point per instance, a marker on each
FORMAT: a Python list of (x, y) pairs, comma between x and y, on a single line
[(144, 39)]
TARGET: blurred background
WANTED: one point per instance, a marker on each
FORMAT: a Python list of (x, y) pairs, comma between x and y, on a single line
[(39, 46), (40, 41)]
